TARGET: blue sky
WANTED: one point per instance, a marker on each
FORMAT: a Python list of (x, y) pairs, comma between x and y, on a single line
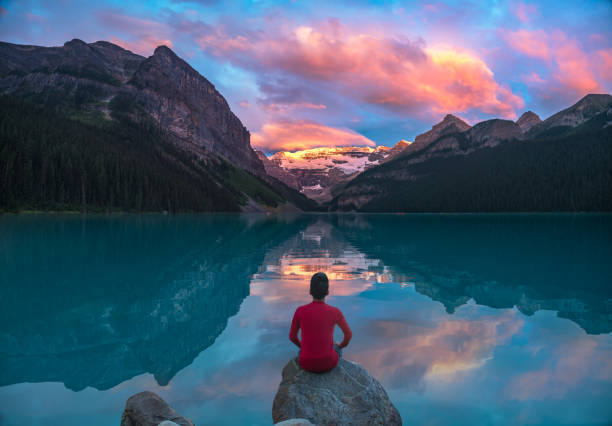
[(323, 73)]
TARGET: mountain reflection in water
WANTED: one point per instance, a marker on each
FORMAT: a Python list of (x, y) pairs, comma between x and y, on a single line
[(203, 303)]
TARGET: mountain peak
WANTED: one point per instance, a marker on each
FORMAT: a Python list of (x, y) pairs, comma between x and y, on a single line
[(528, 120), (451, 117), (75, 42), (163, 50), (402, 142), (450, 124)]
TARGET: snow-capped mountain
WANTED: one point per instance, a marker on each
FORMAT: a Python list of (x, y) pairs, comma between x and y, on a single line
[(315, 171)]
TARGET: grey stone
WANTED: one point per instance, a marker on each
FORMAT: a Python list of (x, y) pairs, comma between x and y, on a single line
[(346, 395), (149, 409), (295, 422)]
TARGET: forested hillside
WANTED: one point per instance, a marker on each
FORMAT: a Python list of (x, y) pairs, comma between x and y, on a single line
[(565, 170), (49, 161)]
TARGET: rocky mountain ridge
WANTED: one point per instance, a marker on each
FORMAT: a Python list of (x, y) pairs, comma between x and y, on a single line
[(88, 78), (452, 138), (186, 148)]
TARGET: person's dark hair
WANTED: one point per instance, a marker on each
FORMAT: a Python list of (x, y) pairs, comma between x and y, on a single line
[(319, 285)]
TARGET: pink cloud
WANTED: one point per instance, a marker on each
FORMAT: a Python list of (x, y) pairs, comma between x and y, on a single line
[(605, 64), (143, 46), (572, 68), (3, 11), (525, 12), (574, 364), (298, 135), (435, 352), (286, 107), (139, 35), (530, 43), (393, 73)]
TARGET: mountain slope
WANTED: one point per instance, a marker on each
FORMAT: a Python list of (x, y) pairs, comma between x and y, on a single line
[(151, 129), (84, 78), (495, 167), (51, 162), (583, 110)]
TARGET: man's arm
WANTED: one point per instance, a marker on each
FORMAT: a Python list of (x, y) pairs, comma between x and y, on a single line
[(295, 326), (345, 329)]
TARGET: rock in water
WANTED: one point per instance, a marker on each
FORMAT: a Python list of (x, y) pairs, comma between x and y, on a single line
[(148, 409), (347, 395)]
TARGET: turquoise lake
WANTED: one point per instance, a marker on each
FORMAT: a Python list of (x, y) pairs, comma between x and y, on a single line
[(465, 319)]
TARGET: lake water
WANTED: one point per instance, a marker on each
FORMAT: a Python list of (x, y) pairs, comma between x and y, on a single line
[(465, 319)]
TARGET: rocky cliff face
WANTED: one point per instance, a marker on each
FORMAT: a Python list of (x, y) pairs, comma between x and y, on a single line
[(88, 77), (277, 172), (187, 104)]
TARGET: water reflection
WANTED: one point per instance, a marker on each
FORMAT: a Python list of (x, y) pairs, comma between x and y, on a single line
[(534, 262), (431, 301), (95, 302)]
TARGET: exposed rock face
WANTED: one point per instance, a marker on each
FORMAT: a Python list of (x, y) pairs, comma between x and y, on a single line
[(449, 125), (528, 120), (492, 132), (347, 395), (581, 111), (89, 76), (187, 104), (148, 409), (274, 170)]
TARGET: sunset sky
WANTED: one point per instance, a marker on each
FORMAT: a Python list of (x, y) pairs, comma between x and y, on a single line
[(323, 73)]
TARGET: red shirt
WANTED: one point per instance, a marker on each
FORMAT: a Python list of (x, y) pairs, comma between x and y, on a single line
[(317, 321)]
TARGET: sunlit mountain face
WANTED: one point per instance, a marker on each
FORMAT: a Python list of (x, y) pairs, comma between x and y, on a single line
[(303, 75), (317, 172)]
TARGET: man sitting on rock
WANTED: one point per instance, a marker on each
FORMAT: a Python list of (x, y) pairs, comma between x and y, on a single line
[(318, 352)]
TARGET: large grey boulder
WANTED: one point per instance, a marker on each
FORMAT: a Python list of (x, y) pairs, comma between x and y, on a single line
[(148, 409), (346, 395)]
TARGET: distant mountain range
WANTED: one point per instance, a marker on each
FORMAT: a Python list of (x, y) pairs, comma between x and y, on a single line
[(97, 127), (315, 172), (563, 163)]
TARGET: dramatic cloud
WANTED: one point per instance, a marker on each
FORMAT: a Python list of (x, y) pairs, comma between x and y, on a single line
[(297, 135), (572, 69), (384, 70), (394, 73)]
